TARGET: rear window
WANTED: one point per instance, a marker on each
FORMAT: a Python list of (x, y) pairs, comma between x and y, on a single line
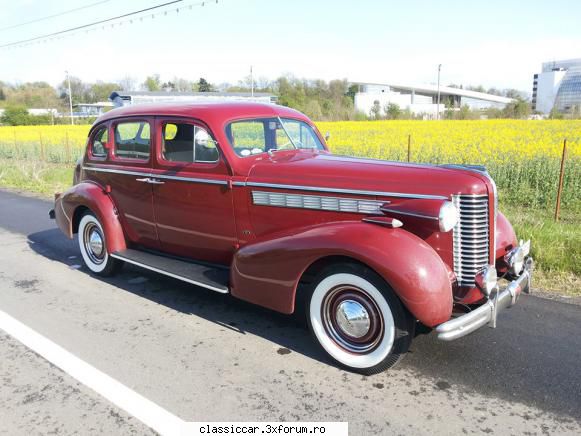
[(99, 143), (133, 140)]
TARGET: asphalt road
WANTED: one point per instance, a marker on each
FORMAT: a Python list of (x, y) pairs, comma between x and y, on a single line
[(208, 357)]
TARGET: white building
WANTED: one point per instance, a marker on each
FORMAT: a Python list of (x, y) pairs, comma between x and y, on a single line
[(558, 86), (139, 97), (422, 99)]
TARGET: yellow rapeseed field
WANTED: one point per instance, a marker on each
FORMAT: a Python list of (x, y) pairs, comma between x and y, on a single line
[(523, 156)]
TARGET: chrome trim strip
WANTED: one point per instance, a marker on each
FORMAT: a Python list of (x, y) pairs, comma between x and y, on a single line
[(417, 215), (342, 191), (115, 171), (189, 179), (175, 276), (157, 176), (316, 202)]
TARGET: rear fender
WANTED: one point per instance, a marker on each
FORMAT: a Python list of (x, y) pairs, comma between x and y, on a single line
[(267, 271), (91, 196)]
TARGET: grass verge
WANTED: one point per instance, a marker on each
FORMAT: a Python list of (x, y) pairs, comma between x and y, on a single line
[(556, 247)]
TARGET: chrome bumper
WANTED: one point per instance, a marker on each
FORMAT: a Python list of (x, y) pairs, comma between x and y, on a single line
[(487, 313)]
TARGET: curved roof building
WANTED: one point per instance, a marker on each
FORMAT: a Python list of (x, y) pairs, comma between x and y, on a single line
[(558, 87)]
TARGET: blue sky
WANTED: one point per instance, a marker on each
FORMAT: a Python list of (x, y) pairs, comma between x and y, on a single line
[(493, 43)]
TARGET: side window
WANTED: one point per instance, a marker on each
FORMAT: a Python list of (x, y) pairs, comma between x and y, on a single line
[(99, 143), (188, 143), (133, 140), (248, 137)]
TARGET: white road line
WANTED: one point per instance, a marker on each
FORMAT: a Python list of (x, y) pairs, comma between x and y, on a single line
[(131, 402)]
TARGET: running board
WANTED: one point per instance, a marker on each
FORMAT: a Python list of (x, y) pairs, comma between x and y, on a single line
[(209, 277)]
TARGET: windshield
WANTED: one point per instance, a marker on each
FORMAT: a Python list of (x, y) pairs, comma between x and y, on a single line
[(258, 135)]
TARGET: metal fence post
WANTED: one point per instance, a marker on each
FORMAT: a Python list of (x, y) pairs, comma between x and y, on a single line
[(409, 146)]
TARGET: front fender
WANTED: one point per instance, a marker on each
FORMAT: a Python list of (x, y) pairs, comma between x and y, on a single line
[(92, 196), (267, 271)]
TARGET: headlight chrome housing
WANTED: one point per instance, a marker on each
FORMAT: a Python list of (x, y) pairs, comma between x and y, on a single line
[(515, 258), (448, 216)]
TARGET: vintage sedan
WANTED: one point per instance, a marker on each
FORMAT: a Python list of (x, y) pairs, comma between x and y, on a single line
[(246, 199)]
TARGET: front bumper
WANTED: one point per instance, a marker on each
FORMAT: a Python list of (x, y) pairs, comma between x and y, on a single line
[(487, 313)]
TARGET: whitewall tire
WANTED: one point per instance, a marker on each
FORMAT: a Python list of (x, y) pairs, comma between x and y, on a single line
[(357, 319), (93, 246)]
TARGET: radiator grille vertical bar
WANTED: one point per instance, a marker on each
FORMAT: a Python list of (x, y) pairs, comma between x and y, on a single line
[(471, 237)]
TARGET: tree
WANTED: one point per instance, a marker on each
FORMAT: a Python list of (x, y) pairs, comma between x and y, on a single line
[(100, 91), (152, 83), (375, 111), (204, 86), (465, 113), (128, 83), (182, 85), (313, 110), (513, 93), (15, 116), (79, 90), (517, 109), (393, 111)]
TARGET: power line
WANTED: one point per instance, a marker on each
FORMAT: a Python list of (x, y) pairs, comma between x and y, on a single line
[(96, 23), (53, 16)]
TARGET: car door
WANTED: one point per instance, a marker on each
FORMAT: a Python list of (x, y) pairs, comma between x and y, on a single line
[(193, 200), (128, 178)]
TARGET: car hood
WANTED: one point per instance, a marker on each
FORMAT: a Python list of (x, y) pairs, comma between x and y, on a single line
[(307, 169)]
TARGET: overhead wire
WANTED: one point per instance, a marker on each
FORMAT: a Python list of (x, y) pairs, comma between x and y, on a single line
[(48, 17), (88, 26)]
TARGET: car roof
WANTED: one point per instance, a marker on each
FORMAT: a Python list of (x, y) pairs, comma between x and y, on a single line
[(206, 111)]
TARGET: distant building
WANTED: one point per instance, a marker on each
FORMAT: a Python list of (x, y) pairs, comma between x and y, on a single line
[(91, 109), (139, 97), (423, 99), (558, 86)]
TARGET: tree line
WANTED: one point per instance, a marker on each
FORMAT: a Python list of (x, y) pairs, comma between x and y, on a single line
[(320, 100)]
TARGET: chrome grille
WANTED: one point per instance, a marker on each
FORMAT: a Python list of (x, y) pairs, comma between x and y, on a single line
[(471, 237)]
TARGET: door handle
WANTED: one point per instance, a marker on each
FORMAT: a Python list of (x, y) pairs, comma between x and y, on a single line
[(150, 181)]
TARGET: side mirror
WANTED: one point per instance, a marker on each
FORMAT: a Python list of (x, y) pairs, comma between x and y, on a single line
[(327, 135)]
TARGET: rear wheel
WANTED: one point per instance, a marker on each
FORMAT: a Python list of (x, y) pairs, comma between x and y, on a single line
[(357, 319), (93, 246)]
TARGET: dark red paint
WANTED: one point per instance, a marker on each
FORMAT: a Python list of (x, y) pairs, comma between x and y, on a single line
[(269, 248)]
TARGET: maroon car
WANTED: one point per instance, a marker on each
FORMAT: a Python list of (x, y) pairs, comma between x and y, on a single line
[(246, 199)]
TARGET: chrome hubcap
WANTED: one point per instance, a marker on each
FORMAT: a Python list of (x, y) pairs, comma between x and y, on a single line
[(94, 243), (353, 319)]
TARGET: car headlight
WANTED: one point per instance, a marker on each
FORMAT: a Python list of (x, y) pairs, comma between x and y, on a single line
[(486, 280), (448, 216)]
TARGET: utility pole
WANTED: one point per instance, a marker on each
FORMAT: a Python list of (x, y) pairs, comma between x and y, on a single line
[(70, 97), (251, 82), (438, 108)]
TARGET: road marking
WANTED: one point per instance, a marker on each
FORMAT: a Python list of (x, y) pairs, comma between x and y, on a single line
[(130, 401)]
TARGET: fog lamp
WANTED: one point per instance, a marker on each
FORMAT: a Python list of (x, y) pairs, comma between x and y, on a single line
[(448, 216), (486, 280)]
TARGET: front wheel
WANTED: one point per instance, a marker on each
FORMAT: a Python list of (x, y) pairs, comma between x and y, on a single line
[(93, 246), (357, 319)]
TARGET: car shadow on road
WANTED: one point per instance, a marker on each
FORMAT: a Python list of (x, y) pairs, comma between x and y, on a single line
[(526, 359)]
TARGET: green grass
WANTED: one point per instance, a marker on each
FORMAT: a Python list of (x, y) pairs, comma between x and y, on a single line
[(556, 247)]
